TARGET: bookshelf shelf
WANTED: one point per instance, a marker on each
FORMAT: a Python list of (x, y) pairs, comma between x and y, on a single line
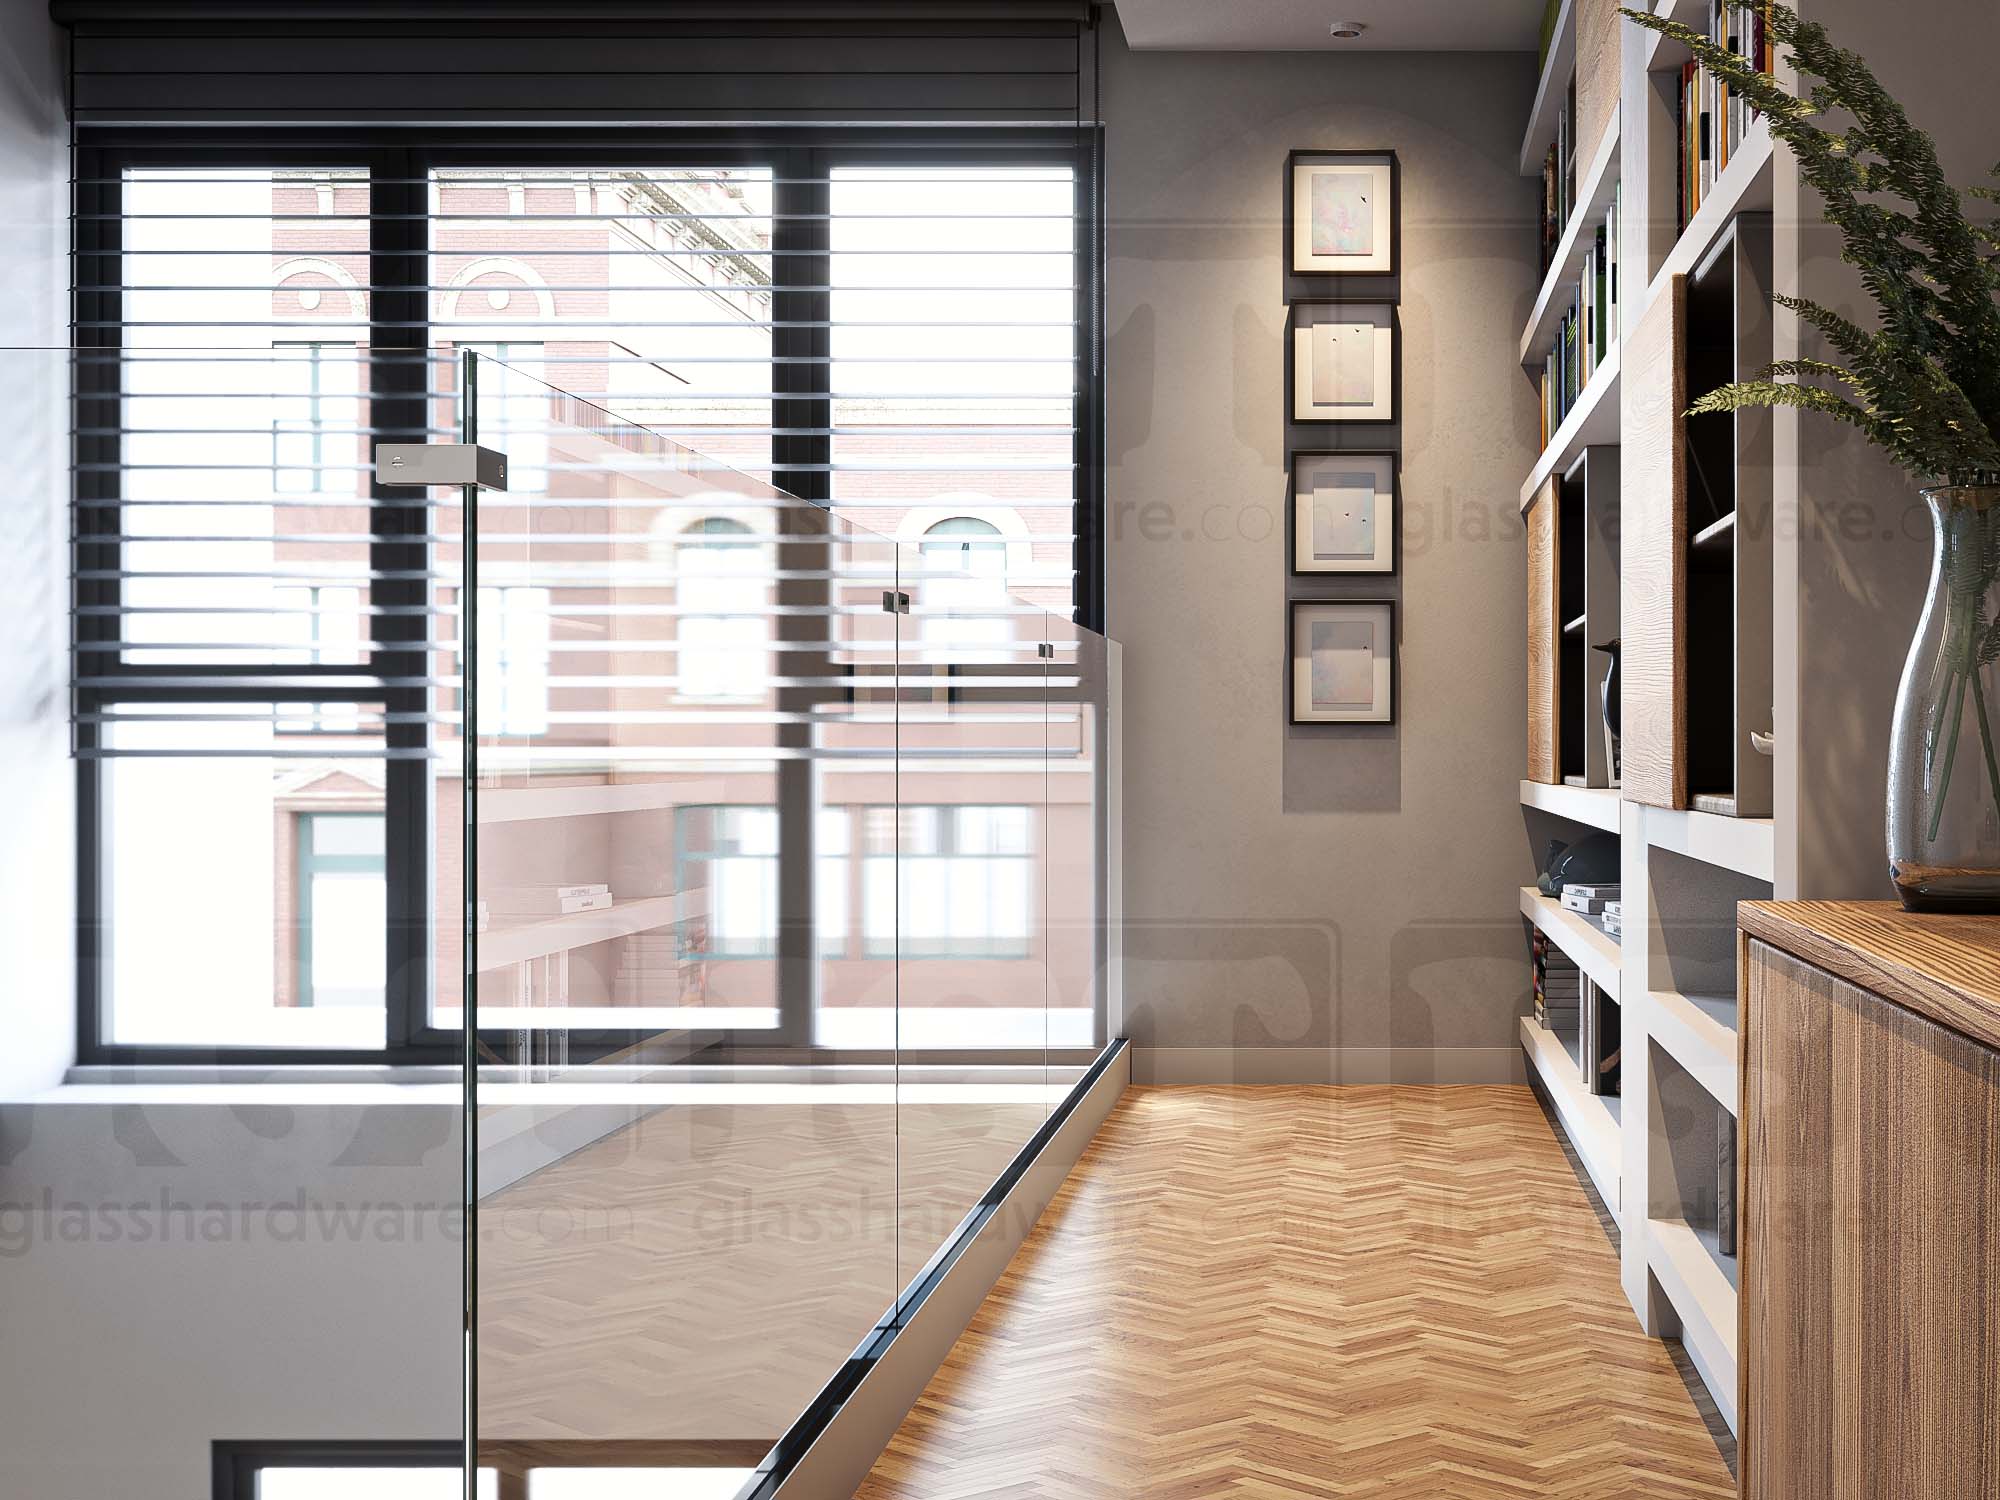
[(1593, 420), (1594, 193), (1591, 1121), (1700, 1282), (1549, 91), (502, 947), (1746, 845), (1699, 1033), (518, 804), (1596, 806), (1593, 950), (1716, 536)]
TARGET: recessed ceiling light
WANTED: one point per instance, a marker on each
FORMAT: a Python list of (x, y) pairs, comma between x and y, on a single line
[(1346, 30)]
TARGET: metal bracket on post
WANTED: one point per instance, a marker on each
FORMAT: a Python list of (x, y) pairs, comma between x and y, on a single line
[(440, 463), (895, 602), (1046, 650)]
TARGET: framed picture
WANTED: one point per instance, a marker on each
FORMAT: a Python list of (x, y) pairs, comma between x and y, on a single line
[(1345, 513), (1340, 213), (1345, 363), (1343, 661)]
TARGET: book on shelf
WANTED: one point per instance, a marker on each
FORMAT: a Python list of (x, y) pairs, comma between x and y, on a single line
[(1587, 906), (1714, 119), (1593, 890), (1559, 178), (1588, 330), (551, 900)]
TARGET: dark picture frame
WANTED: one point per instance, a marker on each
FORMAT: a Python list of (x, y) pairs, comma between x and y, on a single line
[(1298, 527), (1298, 667), (1298, 259), (1308, 313)]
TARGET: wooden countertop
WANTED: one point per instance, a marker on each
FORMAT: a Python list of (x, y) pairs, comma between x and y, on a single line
[(1946, 968)]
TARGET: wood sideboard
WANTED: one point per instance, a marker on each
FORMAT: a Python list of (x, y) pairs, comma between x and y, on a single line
[(1869, 1185)]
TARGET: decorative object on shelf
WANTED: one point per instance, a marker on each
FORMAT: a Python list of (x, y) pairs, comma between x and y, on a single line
[(1345, 362), (1545, 882), (1340, 213), (1926, 390), (1591, 860), (1344, 513), (1607, 703), (1343, 656)]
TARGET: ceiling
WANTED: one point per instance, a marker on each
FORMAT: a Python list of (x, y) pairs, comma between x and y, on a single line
[(1303, 25)]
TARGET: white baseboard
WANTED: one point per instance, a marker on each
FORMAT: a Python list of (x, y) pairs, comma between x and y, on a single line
[(1327, 1065)]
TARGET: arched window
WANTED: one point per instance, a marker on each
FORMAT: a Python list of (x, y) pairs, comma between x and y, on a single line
[(723, 595), (963, 591)]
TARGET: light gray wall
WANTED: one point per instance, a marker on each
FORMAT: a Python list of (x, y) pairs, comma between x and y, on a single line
[(36, 876), (1316, 902)]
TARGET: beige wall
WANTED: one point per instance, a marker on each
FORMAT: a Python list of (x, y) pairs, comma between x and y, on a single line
[(1303, 899)]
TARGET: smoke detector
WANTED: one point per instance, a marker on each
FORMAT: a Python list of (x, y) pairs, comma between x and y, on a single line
[(1346, 31)]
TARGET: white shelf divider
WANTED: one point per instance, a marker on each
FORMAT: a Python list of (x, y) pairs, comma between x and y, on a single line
[(1597, 806), (1589, 1120), (1699, 1033), (1594, 950), (1704, 1296)]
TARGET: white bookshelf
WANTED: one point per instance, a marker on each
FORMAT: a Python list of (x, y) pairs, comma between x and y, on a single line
[(1595, 186), (1549, 91), (501, 947)]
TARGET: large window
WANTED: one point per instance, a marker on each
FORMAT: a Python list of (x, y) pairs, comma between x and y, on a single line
[(889, 325)]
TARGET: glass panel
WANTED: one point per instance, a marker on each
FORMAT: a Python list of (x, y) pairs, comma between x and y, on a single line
[(697, 675)]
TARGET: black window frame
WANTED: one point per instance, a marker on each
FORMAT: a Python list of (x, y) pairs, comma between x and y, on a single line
[(803, 159)]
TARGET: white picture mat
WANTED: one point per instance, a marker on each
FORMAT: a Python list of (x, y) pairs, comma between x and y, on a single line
[(1305, 320), (1381, 469), (1382, 196), (1380, 616)]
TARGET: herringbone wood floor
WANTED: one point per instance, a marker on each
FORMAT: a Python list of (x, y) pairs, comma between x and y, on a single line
[(1398, 1293)]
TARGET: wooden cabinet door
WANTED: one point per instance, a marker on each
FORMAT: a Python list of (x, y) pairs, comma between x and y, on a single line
[(1870, 1333), (1545, 635)]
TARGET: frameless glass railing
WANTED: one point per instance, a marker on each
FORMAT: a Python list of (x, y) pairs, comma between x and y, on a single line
[(654, 910), (788, 839)]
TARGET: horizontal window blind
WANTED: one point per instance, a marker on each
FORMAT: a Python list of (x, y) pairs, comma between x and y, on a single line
[(894, 330)]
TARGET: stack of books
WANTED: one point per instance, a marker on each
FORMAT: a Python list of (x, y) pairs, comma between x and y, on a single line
[(1613, 917), (1558, 986), (573, 898), (1589, 330), (1590, 900), (1713, 119)]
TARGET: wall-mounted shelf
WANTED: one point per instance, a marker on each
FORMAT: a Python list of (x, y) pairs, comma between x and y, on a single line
[(1593, 420), (521, 804), (1699, 1032), (502, 947), (1593, 196), (1596, 806), (1717, 536), (1593, 950), (1591, 1121)]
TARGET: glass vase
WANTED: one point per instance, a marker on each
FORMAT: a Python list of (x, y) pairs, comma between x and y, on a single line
[(1944, 774)]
